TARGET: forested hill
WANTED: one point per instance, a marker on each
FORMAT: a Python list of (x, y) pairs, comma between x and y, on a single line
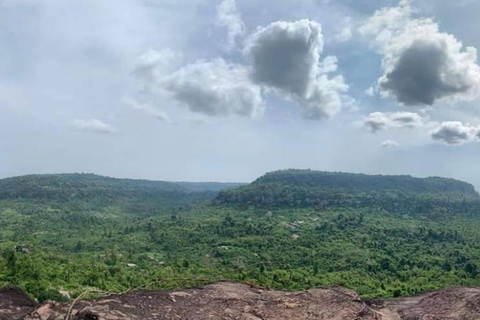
[(363, 183), (105, 190), (307, 188), (380, 235)]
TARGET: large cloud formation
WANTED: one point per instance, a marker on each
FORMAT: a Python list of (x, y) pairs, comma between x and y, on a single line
[(215, 88), (377, 121), (455, 132), (421, 64), (285, 57)]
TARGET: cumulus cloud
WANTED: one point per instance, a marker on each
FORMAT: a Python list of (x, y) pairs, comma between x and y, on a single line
[(455, 132), (421, 64), (93, 125), (378, 121), (147, 109), (285, 57), (215, 88), (389, 144), (228, 17)]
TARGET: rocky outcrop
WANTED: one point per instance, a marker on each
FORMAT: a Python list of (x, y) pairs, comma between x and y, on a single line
[(14, 304), (227, 300)]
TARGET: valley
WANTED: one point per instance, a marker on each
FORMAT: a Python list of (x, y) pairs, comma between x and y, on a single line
[(382, 236)]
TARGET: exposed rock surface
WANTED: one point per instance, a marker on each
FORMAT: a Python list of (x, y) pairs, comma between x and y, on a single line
[(14, 303), (226, 300)]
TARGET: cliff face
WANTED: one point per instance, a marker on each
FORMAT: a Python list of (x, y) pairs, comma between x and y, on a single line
[(238, 301)]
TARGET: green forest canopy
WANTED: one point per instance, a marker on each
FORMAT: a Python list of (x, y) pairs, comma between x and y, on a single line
[(291, 229)]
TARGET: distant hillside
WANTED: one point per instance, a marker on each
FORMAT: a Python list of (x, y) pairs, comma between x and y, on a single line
[(98, 190), (382, 236), (307, 188), (352, 182)]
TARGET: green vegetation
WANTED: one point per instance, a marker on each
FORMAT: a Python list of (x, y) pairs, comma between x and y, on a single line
[(89, 192), (379, 235), (326, 190)]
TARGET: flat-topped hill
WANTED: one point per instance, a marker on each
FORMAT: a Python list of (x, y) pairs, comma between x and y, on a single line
[(307, 188), (353, 182)]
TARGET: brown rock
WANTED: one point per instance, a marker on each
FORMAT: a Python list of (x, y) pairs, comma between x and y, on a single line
[(227, 300), (45, 311)]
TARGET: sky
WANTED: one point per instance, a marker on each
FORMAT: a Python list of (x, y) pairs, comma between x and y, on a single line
[(207, 90)]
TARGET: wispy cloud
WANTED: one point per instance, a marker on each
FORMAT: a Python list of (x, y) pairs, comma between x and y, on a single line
[(93, 125), (147, 109), (230, 18), (389, 144)]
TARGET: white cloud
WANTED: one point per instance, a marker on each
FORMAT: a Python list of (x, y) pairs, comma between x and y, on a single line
[(285, 58), (227, 16), (93, 125), (389, 144), (147, 109), (455, 132), (421, 64), (378, 121), (215, 88)]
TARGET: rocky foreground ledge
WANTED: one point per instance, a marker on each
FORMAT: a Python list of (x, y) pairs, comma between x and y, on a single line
[(227, 300)]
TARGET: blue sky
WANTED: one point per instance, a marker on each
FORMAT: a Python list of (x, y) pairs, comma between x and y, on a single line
[(228, 90)]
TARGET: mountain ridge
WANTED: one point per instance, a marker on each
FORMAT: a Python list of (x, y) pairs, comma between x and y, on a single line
[(92, 177), (82, 188), (294, 188), (335, 180)]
